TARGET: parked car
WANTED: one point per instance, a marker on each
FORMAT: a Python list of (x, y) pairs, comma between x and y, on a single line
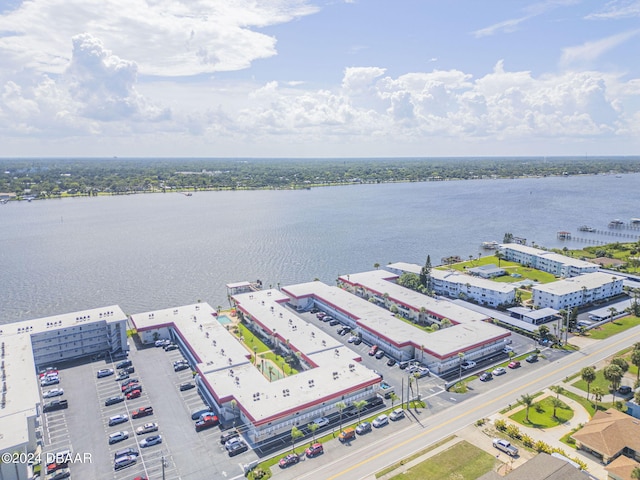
[(132, 387), (514, 364), (237, 448), (375, 401), (373, 350), (380, 421), (48, 381), (162, 342), (123, 452), (187, 386), (180, 367), (55, 467), (170, 347), (625, 390), (207, 421), (499, 371), (468, 365), (60, 474), (54, 392), (48, 371), (129, 381), (118, 437), (124, 462), (397, 414), (113, 401), (147, 428), (129, 385), (357, 341), (133, 394), (352, 338), (228, 435), (422, 372), (532, 358), (486, 376), (507, 349), (321, 422), (124, 364), (379, 354), (347, 434), (105, 372), (129, 370), (364, 427), (320, 315), (122, 376), (314, 450), (391, 362), (333, 322), (142, 412), (403, 365), (289, 460), (118, 419), (55, 405), (150, 441)]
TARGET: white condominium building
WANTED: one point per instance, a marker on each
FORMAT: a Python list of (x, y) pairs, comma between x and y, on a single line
[(559, 265), (577, 291)]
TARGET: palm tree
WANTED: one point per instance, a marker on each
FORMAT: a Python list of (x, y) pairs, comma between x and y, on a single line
[(588, 374), (598, 393), (376, 265), (270, 367), (527, 400), (341, 406), (557, 403), (557, 389), (499, 255), (635, 360), (613, 312), (614, 374), (360, 404), (313, 426), (622, 363), (394, 398), (295, 434)]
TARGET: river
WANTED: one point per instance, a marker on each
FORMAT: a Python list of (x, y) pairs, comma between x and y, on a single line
[(154, 251)]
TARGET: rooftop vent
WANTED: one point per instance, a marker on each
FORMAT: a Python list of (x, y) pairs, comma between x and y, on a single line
[(312, 384), (335, 375), (285, 392), (352, 367), (256, 396)]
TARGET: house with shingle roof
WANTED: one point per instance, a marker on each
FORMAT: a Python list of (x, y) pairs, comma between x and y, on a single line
[(610, 434), (621, 468)]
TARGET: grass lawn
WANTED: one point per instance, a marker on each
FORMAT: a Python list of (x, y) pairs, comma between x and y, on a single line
[(509, 267), (250, 340), (600, 381), (463, 461), (587, 404), (612, 328), (542, 417)]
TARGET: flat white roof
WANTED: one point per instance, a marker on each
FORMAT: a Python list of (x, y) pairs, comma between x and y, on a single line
[(443, 343), (574, 284), (556, 257), (455, 276), (224, 363), (380, 282)]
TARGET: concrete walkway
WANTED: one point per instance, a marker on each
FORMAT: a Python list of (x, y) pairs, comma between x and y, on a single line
[(551, 436)]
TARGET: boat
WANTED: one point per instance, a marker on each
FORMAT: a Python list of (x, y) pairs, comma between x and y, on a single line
[(490, 245), (616, 223), (635, 222), (586, 228)]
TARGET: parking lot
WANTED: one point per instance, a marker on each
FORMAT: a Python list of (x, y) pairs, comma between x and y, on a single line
[(83, 428)]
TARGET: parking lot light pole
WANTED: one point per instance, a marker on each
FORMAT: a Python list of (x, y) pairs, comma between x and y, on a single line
[(460, 358)]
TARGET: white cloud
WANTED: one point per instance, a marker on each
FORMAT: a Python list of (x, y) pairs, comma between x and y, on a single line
[(616, 10), (590, 51), (167, 38)]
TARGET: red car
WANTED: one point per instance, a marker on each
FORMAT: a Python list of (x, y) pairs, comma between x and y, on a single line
[(134, 394), (514, 364), (315, 449), (52, 467), (373, 350), (142, 412)]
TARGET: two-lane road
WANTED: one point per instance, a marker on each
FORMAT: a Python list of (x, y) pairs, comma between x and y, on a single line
[(361, 464)]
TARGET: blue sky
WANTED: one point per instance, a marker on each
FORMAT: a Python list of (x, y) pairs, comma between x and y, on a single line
[(304, 78)]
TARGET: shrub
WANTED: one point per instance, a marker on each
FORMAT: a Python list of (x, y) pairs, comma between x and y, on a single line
[(480, 422), (501, 425), (541, 446), (527, 441), (514, 432)]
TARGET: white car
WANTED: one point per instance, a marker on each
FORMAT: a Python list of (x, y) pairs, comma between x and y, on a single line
[(397, 414), (105, 372), (118, 419), (118, 437), (147, 428), (380, 421), (152, 440), (321, 422), (468, 365), (54, 392), (499, 371)]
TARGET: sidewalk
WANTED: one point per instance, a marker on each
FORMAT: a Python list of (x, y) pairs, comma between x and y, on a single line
[(551, 436)]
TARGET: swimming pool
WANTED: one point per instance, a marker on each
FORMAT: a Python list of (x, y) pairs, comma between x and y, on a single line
[(223, 319)]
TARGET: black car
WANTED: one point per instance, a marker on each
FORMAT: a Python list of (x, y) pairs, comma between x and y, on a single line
[(187, 386), (170, 347), (403, 365), (486, 376), (55, 405), (532, 358), (129, 370), (113, 400), (124, 364), (391, 362), (375, 401), (181, 366), (334, 322), (357, 341), (237, 448), (131, 388), (625, 390)]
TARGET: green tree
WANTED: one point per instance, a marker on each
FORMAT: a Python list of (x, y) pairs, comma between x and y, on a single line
[(295, 434), (499, 255), (340, 406), (635, 360), (613, 373), (543, 331), (394, 398), (635, 473), (360, 404), (588, 374), (557, 389), (376, 265), (425, 275), (598, 393), (622, 363), (573, 319), (313, 426), (557, 403), (527, 401)]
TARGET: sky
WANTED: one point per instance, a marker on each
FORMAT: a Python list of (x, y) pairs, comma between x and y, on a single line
[(319, 78)]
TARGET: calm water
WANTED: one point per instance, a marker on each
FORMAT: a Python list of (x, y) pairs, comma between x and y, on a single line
[(147, 252)]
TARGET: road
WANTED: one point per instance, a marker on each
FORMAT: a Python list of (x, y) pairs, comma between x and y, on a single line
[(416, 436)]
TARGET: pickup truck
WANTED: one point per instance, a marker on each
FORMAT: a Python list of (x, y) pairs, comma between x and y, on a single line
[(207, 421), (505, 446), (55, 405)]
